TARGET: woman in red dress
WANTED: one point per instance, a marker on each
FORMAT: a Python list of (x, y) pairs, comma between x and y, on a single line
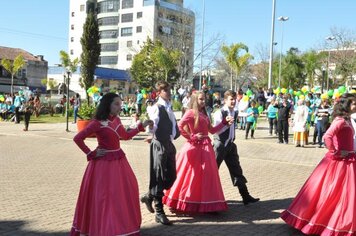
[(197, 187), (326, 203), (108, 202)]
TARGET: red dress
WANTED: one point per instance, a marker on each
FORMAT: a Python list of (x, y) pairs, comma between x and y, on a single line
[(326, 203), (108, 202), (197, 187)]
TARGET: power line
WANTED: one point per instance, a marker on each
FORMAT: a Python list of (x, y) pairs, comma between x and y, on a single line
[(34, 35)]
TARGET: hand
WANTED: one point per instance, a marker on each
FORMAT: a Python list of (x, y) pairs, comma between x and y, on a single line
[(199, 136), (148, 139), (148, 123), (100, 152), (229, 120), (344, 153)]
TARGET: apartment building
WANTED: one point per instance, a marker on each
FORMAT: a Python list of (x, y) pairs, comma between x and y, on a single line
[(124, 26)]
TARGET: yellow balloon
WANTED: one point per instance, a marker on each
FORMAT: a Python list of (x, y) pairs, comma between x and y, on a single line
[(284, 90), (301, 97), (353, 91), (324, 96), (144, 96), (336, 94), (245, 98)]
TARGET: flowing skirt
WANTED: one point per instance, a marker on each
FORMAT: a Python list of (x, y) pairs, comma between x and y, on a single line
[(326, 203), (108, 202), (197, 187)]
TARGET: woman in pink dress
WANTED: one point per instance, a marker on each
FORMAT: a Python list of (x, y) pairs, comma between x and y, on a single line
[(197, 187), (326, 203), (108, 202)]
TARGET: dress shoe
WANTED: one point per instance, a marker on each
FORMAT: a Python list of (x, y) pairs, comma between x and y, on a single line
[(249, 199), (148, 202), (162, 218)]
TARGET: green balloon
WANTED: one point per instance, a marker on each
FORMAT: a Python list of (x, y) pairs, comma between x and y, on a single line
[(291, 91), (249, 93), (330, 93), (342, 89), (299, 93)]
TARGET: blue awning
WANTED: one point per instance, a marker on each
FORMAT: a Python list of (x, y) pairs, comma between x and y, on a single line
[(112, 74)]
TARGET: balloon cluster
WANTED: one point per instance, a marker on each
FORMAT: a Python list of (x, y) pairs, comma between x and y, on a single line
[(93, 90)]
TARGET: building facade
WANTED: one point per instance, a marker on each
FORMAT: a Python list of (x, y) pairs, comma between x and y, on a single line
[(30, 75), (124, 26)]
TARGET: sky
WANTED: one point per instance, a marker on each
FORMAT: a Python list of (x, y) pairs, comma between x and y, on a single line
[(41, 26)]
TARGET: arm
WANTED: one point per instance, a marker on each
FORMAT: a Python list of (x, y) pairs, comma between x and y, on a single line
[(218, 127), (126, 135), (186, 119), (332, 131), (93, 127)]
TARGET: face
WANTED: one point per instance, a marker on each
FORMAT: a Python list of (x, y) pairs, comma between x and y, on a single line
[(353, 106), (165, 94), (201, 101), (115, 106), (230, 102)]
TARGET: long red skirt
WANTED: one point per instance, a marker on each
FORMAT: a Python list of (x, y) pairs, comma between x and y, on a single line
[(326, 204), (197, 187), (108, 202)]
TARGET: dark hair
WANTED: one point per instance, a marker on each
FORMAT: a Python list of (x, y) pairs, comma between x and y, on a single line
[(162, 85), (342, 107), (103, 110)]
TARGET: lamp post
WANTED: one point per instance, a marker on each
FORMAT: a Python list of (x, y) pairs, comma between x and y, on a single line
[(282, 19), (329, 38), (271, 46), (323, 78), (67, 102), (202, 48)]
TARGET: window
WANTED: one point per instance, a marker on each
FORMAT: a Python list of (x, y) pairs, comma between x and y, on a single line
[(73, 13), (139, 14), (129, 43), (108, 6), (109, 47), (126, 31), (113, 20), (138, 41), (127, 4), (108, 34), (71, 52), (72, 27), (72, 39), (128, 57), (110, 60), (138, 29), (127, 17), (82, 7)]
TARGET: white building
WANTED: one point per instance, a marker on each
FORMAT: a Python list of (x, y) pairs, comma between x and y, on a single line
[(124, 26)]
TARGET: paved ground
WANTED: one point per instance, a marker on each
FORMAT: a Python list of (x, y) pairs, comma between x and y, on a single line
[(41, 170)]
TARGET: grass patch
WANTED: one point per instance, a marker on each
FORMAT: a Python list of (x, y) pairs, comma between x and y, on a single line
[(56, 118)]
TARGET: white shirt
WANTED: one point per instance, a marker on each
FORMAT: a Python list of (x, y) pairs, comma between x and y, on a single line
[(217, 120), (154, 116)]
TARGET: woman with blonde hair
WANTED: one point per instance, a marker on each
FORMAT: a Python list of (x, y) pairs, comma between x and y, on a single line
[(197, 187)]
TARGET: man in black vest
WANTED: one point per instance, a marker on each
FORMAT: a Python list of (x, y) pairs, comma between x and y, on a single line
[(162, 152), (226, 150)]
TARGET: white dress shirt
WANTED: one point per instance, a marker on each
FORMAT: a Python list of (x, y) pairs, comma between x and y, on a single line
[(217, 120)]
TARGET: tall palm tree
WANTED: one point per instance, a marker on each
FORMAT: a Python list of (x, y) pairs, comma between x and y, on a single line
[(13, 67), (235, 59)]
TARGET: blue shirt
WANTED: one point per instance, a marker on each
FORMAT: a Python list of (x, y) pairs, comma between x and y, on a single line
[(254, 113), (272, 111)]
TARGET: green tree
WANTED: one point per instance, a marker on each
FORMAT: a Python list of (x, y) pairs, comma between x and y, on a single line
[(313, 63), (13, 67), (237, 61), (293, 75), (154, 62), (67, 63), (90, 51)]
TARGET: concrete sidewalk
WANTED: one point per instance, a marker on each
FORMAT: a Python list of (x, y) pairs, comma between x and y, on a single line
[(41, 171)]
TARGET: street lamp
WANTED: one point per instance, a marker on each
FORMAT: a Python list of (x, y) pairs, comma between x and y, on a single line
[(329, 38), (202, 48), (271, 46), (67, 103), (282, 19)]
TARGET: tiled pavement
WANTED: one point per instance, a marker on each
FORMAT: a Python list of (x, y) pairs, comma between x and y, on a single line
[(41, 170)]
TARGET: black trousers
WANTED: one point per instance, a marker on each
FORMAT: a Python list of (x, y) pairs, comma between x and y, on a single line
[(232, 160), (249, 125), (272, 123), (17, 115), (162, 167), (283, 130), (27, 117)]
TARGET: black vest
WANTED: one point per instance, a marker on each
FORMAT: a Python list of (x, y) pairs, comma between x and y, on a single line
[(225, 135), (164, 126)]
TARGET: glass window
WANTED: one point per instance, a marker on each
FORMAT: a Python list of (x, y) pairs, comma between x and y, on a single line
[(126, 31), (138, 29), (128, 57), (108, 34), (139, 14), (129, 43), (72, 27), (71, 52), (72, 39), (82, 7), (73, 13), (127, 17), (110, 60), (108, 6), (113, 20), (127, 4), (109, 47)]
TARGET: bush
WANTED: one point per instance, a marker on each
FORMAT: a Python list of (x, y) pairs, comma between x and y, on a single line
[(86, 112), (177, 105)]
